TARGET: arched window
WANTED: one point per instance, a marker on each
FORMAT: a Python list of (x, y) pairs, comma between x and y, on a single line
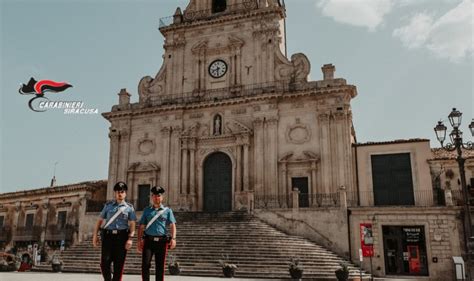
[(219, 6)]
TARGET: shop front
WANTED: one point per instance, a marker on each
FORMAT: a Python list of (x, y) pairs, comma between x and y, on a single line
[(405, 250)]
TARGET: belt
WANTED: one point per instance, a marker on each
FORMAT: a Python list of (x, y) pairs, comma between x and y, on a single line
[(156, 238), (114, 231)]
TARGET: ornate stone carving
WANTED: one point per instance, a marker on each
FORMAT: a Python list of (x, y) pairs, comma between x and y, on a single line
[(298, 134), (306, 156), (146, 146), (149, 86), (143, 167), (295, 70)]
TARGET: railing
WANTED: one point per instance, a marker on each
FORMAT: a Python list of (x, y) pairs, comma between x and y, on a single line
[(319, 200), (5, 233), (192, 15), (426, 197), (458, 197), (216, 95), (28, 233), (272, 202), (56, 233)]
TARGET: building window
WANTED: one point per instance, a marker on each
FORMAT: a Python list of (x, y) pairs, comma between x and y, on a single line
[(392, 179), (405, 250), (219, 6), (29, 221), (62, 216), (143, 196)]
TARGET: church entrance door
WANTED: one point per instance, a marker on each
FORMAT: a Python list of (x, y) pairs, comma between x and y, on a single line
[(218, 182)]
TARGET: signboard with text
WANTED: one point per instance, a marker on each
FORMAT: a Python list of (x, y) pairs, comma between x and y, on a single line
[(366, 240)]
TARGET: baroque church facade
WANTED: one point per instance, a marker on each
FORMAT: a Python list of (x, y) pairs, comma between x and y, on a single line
[(229, 119)]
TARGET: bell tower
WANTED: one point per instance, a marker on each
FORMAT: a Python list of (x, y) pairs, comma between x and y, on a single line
[(219, 44)]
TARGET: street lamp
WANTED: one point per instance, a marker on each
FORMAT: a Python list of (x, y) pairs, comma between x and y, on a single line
[(457, 144)]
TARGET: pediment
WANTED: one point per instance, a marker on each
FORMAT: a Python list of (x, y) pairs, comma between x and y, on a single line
[(305, 156), (143, 167)]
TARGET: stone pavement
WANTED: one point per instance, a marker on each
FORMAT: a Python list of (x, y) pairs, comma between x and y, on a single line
[(44, 276)]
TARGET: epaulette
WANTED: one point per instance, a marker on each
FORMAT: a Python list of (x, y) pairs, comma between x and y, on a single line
[(130, 204), (109, 202)]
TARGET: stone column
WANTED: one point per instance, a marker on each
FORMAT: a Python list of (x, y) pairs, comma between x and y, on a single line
[(258, 157), (123, 162), (285, 188), (314, 180), (45, 210), (175, 163), (246, 166), (325, 152), (295, 204), (238, 172), (192, 169), (165, 136), (114, 155), (184, 168), (342, 197), (272, 137), (238, 66), (15, 219)]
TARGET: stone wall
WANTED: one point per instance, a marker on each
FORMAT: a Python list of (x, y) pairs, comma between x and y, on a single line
[(443, 234), (327, 227)]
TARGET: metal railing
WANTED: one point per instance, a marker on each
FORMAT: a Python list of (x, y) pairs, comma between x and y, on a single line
[(5, 233), (272, 202), (190, 15), (58, 233), (427, 197), (319, 200), (458, 197), (28, 233)]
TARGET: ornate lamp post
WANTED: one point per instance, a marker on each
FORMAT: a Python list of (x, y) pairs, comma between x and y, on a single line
[(457, 145)]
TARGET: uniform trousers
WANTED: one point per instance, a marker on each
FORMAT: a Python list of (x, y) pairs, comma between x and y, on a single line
[(154, 248), (113, 251)]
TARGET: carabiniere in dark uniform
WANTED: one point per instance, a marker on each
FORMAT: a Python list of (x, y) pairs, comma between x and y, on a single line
[(116, 233), (153, 236)]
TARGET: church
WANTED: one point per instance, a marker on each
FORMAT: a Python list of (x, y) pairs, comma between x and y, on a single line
[(230, 119), (232, 122)]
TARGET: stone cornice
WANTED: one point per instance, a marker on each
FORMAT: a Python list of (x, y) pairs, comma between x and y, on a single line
[(83, 186), (405, 210), (232, 101), (222, 19)]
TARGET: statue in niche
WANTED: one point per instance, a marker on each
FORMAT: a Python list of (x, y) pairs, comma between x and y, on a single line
[(217, 125)]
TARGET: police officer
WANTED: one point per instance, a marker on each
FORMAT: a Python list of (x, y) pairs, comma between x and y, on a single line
[(153, 238), (116, 234)]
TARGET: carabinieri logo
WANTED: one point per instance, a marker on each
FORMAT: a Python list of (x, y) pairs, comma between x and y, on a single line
[(39, 88), (40, 103)]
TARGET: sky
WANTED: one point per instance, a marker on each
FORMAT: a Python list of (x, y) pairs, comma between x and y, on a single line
[(411, 60)]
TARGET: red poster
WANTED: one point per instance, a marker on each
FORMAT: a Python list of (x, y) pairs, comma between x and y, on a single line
[(366, 240)]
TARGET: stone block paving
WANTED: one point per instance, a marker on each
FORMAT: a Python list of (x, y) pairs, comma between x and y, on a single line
[(44, 276)]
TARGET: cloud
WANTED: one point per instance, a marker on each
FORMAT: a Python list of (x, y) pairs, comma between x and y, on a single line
[(364, 13), (450, 36)]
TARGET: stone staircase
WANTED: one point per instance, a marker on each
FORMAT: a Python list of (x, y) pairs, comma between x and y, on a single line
[(259, 250)]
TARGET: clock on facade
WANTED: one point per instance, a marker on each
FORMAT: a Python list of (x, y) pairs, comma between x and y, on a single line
[(217, 68)]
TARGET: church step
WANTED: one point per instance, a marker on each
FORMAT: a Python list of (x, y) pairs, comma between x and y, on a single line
[(259, 250)]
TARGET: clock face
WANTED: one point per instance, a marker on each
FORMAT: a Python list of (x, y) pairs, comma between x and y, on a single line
[(218, 68)]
